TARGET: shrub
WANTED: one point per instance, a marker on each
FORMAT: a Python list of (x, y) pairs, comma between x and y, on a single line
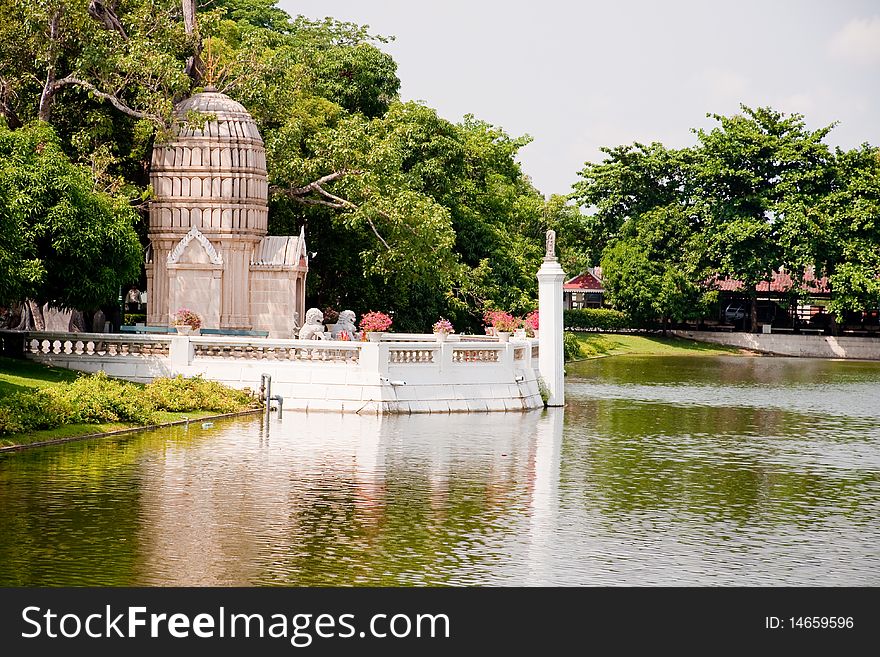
[(182, 395), (98, 398), (186, 317), (597, 319), (375, 321), (31, 411), (571, 346), (443, 325)]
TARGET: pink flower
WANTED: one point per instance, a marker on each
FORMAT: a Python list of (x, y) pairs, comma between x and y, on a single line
[(375, 321), (443, 326)]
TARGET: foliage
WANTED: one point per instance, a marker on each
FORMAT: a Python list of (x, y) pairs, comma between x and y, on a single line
[(532, 320), (187, 317), (571, 347), (180, 395), (501, 321), (61, 241), (375, 321), (97, 398), (443, 325), (758, 193), (543, 390), (31, 411), (596, 319)]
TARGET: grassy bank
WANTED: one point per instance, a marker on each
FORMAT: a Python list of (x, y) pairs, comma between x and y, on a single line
[(583, 345), (39, 404)]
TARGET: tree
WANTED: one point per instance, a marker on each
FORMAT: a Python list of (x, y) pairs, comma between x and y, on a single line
[(406, 210), (61, 241), (646, 228), (742, 203), (845, 227), (751, 171)]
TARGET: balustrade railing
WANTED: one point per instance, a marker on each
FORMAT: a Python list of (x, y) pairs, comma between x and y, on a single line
[(412, 349), (277, 350), (95, 344)]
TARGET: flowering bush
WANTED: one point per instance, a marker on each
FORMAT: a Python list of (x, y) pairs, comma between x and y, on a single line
[(501, 321), (531, 322), (443, 325), (374, 321), (186, 317)]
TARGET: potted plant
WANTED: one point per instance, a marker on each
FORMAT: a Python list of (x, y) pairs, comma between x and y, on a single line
[(489, 320), (187, 322), (331, 316), (374, 324), (442, 327), (504, 324)]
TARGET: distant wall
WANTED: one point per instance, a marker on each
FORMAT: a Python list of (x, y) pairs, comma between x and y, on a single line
[(807, 346)]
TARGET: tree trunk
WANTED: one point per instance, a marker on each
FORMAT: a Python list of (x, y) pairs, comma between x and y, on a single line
[(194, 66), (753, 314), (47, 97)]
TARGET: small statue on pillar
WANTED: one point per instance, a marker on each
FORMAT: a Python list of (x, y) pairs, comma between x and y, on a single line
[(550, 253)]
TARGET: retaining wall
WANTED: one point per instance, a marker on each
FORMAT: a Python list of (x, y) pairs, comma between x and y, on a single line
[(809, 346)]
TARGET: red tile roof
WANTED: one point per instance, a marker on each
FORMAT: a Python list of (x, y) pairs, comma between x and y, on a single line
[(584, 282), (781, 282)]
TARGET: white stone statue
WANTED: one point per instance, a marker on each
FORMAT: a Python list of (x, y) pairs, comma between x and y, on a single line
[(313, 329), (346, 322), (550, 246)]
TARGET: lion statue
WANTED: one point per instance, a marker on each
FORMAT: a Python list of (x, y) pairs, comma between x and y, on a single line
[(313, 329), (346, 321)]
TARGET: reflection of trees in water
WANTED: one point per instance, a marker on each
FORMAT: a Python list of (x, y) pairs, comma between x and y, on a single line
[(419, 524), (720, 463), (67, 512), (729, 370)]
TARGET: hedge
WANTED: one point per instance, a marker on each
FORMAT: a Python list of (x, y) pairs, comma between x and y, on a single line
[(596, 319)]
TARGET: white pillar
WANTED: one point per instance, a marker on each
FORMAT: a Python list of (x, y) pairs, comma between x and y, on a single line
[(551, 357)]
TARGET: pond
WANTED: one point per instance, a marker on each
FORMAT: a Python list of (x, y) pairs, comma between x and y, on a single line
[(660, 471)]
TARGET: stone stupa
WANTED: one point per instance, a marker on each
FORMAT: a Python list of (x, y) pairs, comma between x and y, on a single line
[(209, 251)]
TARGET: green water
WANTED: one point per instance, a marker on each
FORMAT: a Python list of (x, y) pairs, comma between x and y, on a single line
[(660, 470)]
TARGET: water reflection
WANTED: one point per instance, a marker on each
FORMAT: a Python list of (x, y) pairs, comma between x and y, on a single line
[(659, 471)]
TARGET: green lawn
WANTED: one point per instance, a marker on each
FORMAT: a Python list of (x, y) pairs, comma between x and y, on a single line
[(594, 345), (19, 375)]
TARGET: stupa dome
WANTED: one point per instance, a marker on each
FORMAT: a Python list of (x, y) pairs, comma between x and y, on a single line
[(213, 177)]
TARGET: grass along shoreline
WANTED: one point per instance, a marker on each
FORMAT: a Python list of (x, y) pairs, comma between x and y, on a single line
[(41, 404), (587, 345)]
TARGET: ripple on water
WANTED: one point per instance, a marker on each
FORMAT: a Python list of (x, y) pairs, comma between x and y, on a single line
[(697, 471)]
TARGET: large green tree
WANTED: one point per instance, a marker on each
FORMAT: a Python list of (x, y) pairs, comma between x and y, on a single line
[(407, 211), (61, 241), (753, 170), (757, 193)]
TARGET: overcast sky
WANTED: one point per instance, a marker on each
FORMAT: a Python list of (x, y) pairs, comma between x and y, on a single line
[(580, 75)]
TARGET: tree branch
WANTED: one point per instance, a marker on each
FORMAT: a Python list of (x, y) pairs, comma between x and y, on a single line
[(49, 87), (301, 195), (330, 177), (106, 15), (118, 104), (6, 109)]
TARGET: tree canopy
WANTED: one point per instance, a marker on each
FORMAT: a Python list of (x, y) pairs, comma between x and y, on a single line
[(407, 211), (758, 193), (61, 241)]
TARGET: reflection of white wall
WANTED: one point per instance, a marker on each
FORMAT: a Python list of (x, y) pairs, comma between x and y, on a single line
[(545, 498), (235, 504)]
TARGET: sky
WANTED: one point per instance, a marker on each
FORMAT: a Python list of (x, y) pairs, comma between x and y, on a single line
[(577, 76)]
